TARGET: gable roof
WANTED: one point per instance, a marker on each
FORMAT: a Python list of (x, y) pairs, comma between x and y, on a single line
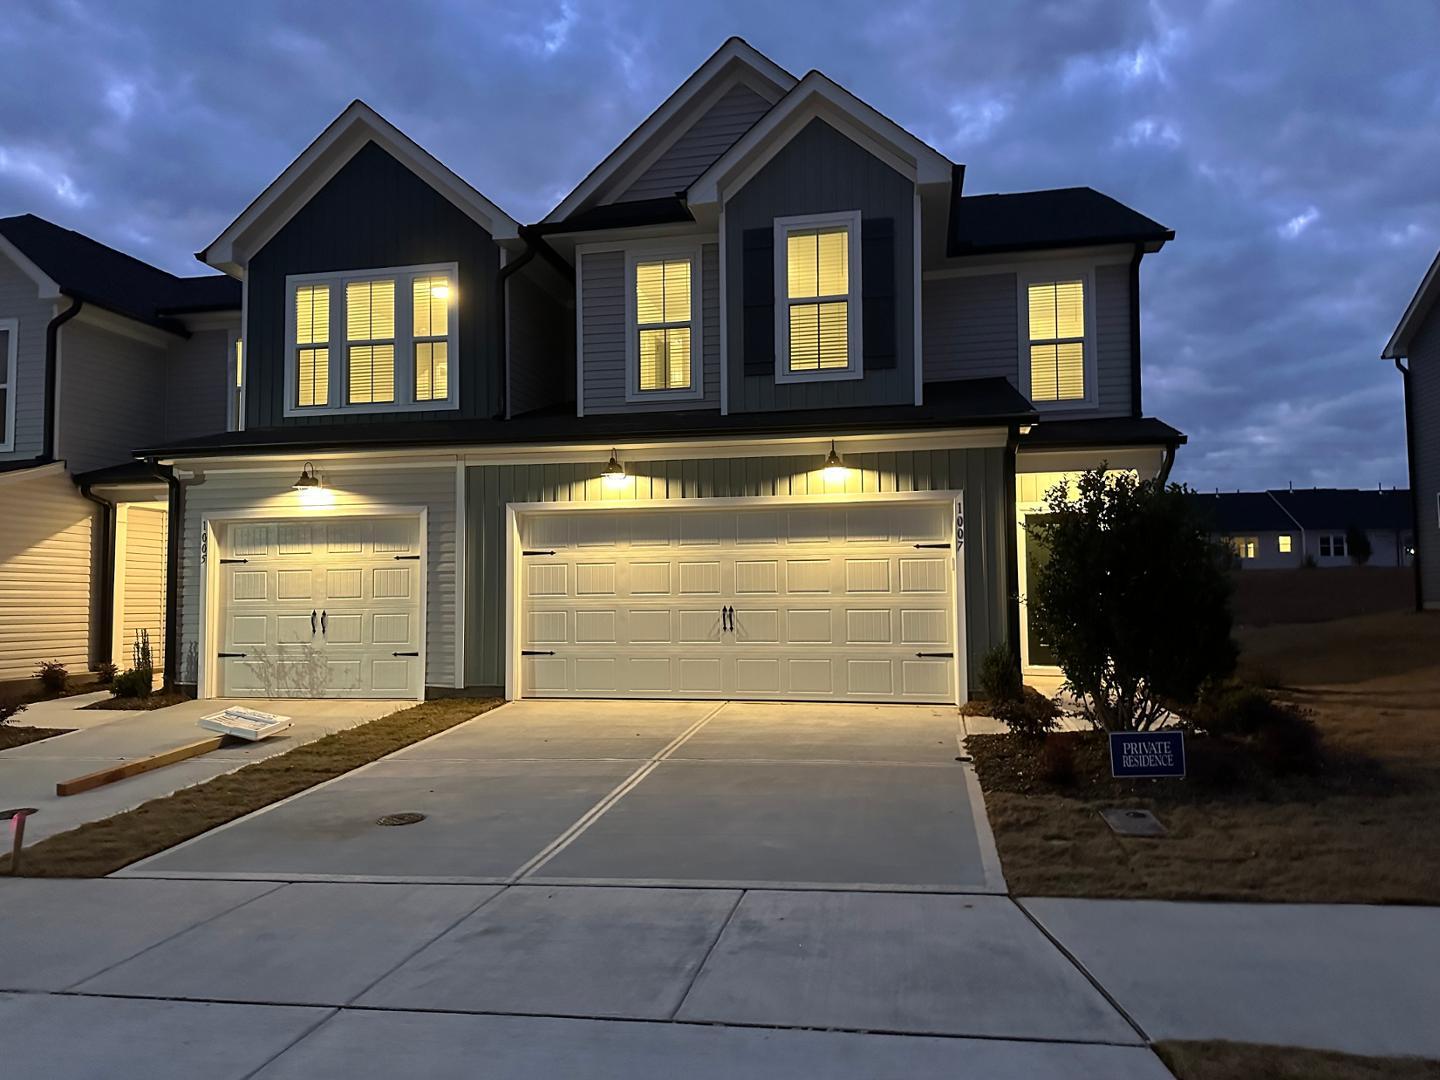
[(817, 95), (1243, 511), (1061, 217), (735, 60), (1420, 304), (358, 125), (1339, 508), (72, 263)]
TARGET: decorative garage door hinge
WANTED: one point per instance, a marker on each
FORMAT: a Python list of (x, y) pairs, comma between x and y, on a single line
[(404, 654), (934, 655), (231, 655), (945, 546), (415, 558), (537, 553), (537, 652), (224, 562)]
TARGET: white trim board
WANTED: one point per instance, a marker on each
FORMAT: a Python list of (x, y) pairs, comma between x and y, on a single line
[(854, 298), (11, 361)]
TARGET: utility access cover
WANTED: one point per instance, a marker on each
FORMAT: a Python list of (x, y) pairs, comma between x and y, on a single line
[(1133, 822), (400, 819)]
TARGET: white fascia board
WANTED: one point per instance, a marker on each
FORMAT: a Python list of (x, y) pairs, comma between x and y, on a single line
[(654, 133), (319, 163), (818, 96), (46, 285), (1419, 306), (115, 323)]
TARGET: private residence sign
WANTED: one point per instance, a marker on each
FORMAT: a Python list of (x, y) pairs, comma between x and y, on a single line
[(1137, 755)]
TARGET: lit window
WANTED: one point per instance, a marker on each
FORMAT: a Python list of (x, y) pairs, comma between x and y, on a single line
[(312, 341), (370, 333), (237, 391), (1285, 541), (817, 283), (1057, 341), (663, 323), (1244, 546), (430, 332)]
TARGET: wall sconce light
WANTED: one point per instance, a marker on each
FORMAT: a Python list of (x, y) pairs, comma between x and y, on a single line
[(307, 480), (614, 474), (835, 469)]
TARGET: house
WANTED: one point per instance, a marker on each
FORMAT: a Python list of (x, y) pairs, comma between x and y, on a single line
[(1290, 528), (1415, 349), (99, 353), (759, 410)]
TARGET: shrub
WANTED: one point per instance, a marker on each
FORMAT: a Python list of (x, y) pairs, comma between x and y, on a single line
[(1232, 710), (1357, 544), (1055, 763), (1284, 739), (140, 651), (1031, 716), (134, 683), (1132, 597), (53, 675), (105, 673), (1000, 675), (9, 710), (1290, 746), (1309, 563)]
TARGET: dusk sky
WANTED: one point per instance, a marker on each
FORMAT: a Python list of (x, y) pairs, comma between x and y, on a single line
[(1293, 147)]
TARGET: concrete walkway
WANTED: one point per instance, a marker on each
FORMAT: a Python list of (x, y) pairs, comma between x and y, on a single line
[(28, 774)]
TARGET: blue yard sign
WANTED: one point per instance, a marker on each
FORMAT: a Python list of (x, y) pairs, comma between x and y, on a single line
[(1137, 755)]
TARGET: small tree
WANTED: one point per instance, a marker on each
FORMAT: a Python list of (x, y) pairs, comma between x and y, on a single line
[(1133, 600), (1357, 543)]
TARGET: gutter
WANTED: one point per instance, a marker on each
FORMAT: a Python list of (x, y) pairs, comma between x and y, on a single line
[(52, 375), (1012, 544), (1410, 472), (105, 638), (1168, 463), (1304, 544), (1135, 407)]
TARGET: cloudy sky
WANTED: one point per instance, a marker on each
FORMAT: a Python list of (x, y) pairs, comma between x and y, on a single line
[(1293, 146)]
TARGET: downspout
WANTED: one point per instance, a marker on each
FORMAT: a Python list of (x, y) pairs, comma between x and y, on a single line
[(175, 527), (1135, 406), (1410, 472), (105, 638), (1167, 464), (1012, 542), (52, 349)]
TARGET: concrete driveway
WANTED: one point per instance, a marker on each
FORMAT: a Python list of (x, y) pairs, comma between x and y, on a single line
[(719, 795)]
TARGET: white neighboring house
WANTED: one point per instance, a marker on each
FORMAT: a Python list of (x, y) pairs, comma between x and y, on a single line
[(99, 352), (1286, 528)]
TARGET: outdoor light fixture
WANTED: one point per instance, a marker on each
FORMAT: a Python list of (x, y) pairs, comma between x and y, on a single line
[(835, 470), (614, 473), (440, 291), (307, 480)]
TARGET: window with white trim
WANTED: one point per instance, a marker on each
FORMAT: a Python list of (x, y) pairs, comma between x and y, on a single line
[(817, 301), (1332, 546), (1056, 312), (399, 335), (664, 312), (9, 350)]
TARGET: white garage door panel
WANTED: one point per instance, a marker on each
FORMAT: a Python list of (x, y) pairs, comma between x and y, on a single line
[(321, 608), (830, 603)]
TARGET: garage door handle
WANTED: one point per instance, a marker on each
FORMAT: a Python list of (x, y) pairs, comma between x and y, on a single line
[(324, 622), (313, 617), (231, 655), (404, 654), (935, 655)]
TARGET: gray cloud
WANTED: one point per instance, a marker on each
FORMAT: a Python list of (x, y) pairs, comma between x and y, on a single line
[(1293, 146)]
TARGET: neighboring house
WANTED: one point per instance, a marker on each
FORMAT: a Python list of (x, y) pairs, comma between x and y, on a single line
[(760, 410), (1415, 349), (1281, 529), (99, 353)]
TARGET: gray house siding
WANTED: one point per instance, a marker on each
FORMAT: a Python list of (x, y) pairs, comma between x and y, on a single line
[(1425, 414), (602, 294), (980, 473), (822, 171), (197, 384), (971, 330), (373, 213), (20, 300), (700, 146), (112, 396)]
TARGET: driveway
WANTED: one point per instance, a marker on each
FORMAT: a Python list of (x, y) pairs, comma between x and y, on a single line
[(717, 795)]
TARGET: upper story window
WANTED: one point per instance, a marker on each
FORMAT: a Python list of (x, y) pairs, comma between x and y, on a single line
[(9, 351), (817, 297), (1059, 367), (398, 337), (663, 340)]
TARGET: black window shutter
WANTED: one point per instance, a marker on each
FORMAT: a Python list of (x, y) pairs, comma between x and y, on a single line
[(877, 283), (758, 297)]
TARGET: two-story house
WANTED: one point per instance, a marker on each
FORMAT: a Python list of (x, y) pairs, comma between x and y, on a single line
[(1415, 349), (99, 353), (759, 410)]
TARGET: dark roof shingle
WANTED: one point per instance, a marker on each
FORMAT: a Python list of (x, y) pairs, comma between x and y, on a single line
[(1062, 217)]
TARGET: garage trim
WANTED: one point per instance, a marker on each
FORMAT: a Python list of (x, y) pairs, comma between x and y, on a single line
[(515, 511), (210, 601)]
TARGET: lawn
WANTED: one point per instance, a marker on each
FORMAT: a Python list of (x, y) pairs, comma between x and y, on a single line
[(1364, 830), (102, 847), (1245, 1061)]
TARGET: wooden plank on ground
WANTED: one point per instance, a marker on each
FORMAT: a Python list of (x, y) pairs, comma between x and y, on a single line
[(140, 765)]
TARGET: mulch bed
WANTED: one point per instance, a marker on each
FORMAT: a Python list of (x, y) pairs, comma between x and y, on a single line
[(11, 737), (158, 700)]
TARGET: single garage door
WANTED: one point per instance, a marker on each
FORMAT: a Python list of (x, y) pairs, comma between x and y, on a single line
[(833, 603), (321, 608)]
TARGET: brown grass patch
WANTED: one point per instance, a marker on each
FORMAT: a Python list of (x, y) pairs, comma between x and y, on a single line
[(102, 847), (1362, 831), (161, 699), (1248, 1061), (1268, 597), (21, 736)]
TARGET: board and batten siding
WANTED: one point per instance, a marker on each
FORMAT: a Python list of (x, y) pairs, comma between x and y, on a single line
[(112, 395), (541, 347), (821, 171), (20, 300), (604, 360), (1424, 360), (971, 330), (371, 485), (980, 473), (141, 538), (46, 573), (374, 213), (197, 384), (701, 145)]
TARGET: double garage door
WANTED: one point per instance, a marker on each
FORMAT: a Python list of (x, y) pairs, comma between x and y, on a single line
[(321, 608), (833, 603)]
